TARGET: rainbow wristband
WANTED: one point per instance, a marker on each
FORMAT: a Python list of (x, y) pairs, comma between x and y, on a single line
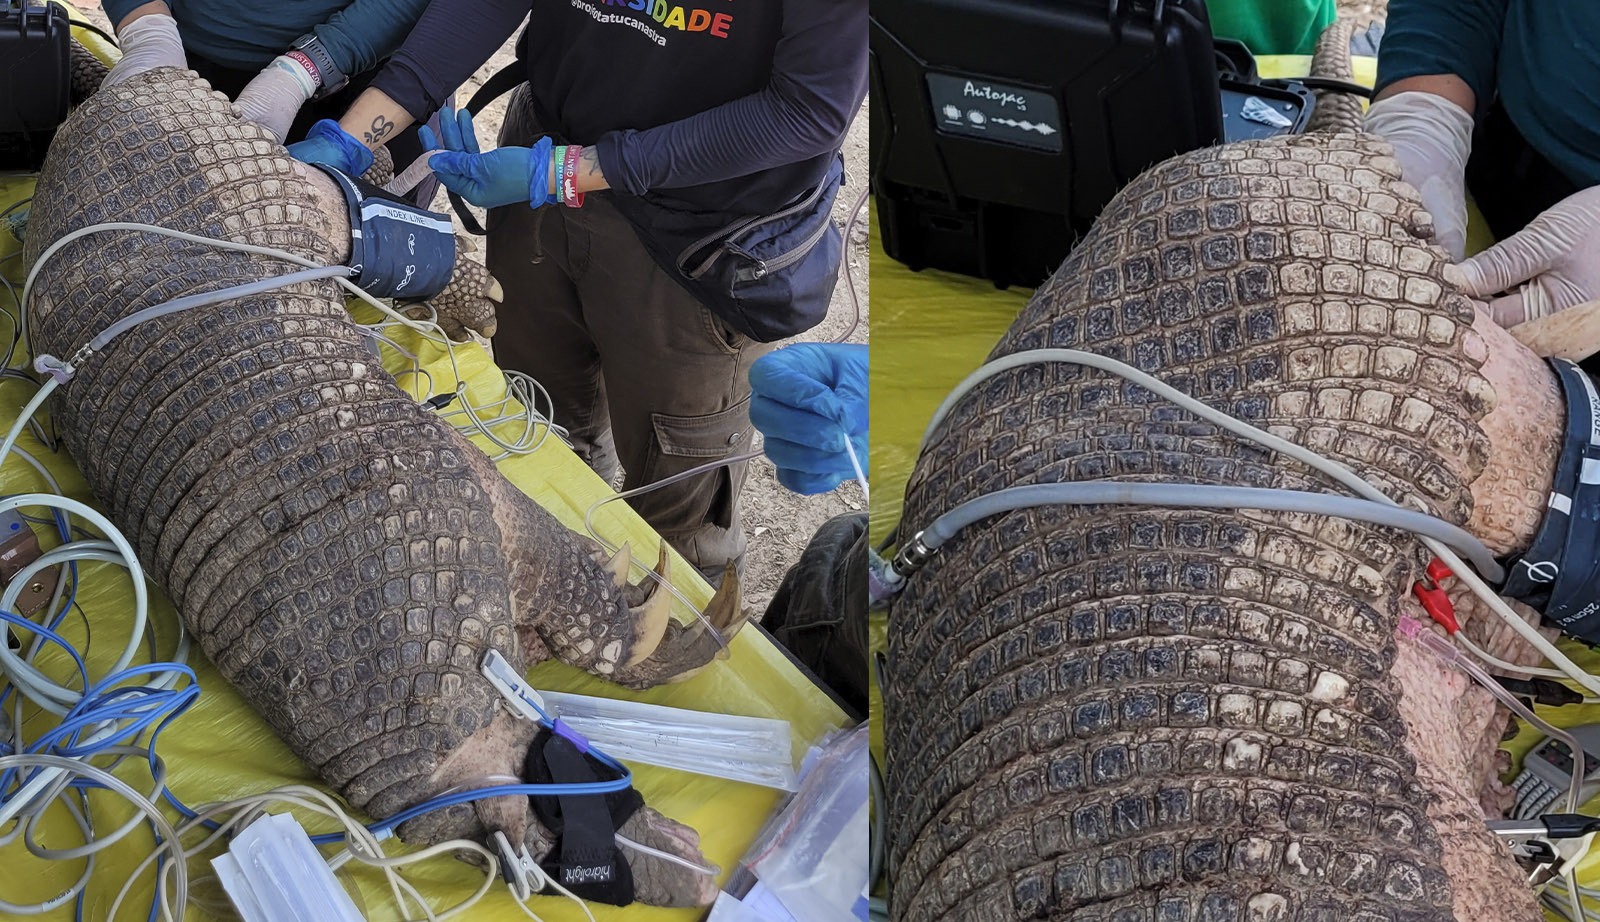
[(570, 196)]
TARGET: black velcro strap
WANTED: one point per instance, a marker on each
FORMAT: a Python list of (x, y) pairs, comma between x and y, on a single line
[(586, 859), (504, 81)]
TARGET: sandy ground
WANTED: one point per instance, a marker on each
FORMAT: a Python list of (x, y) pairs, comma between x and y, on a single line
[(779, 523)]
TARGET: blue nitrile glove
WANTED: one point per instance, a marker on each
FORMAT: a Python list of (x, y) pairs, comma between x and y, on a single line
[(328, 144), (503, 176), (808, 398)]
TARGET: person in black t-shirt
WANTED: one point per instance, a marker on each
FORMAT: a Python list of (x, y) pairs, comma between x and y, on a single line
[(707, 110)]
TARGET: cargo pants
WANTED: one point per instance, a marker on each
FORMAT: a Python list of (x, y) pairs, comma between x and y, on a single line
[(640, 372)]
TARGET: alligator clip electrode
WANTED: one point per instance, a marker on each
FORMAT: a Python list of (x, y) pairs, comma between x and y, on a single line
[(1542, 844), (1432, 596), (1528, 839), (522, 874)]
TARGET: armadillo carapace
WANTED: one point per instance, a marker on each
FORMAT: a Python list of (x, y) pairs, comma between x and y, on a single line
[(343, 556)]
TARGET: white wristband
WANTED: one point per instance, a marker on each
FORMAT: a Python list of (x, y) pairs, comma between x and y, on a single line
[(298, 71)]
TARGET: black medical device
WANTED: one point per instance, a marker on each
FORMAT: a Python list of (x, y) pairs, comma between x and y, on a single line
[(1547, 773), (398, 249), (1001, 128), (35, 79), (1559, 574)]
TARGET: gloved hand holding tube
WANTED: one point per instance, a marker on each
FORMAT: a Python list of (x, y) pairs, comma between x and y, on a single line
[(503, 176), (1432, 139), (810, 399)]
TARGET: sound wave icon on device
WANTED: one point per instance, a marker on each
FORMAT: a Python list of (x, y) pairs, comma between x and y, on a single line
[(1042, 128)]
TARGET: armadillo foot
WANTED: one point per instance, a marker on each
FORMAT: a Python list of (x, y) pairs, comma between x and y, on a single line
[(495, 755), (382, 169), (661, 881), (469, 301)]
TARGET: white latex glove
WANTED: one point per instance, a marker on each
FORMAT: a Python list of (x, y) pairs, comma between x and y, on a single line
[(147, 42), (274, 97), (1432, 138), (1548, 266)]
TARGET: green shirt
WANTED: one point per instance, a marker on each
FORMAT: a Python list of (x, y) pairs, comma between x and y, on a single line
[(1540, 57), (1272, 26), (248, 34)]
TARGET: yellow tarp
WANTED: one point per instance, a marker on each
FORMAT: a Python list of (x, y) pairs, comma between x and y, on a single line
[(221, 749), (930, 329)]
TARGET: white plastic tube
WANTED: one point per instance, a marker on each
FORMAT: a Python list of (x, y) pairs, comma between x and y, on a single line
[(755, 750), (414, 173)]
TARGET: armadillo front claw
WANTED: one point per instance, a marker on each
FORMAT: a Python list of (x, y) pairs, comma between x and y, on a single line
[(684, 651), (651, 612), (617, 566), (469, 302)]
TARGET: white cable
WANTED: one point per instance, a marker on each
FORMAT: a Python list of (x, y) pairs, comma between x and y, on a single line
[(167, 836), (626, 842), (285, 255), (1288, 449), (361, 845), (46, 693), (426, 329), (634, 563), (855, 462)]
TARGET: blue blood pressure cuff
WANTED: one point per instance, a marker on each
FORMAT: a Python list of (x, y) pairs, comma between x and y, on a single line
[(1560, 573), (397, 249)]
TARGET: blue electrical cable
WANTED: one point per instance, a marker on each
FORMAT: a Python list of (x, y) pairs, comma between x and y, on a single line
[(52, 636), (70, 599), (135, 709)]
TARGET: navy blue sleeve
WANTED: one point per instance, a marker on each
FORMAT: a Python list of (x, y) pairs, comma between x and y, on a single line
[(116, 9), (365, 32), (1460, 37), (451, 41), (819, 78)]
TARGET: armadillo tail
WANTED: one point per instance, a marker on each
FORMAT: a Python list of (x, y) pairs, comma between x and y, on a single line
[(1335, 111)]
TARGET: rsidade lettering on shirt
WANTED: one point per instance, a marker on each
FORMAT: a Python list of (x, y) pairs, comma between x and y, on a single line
[(673, 16)]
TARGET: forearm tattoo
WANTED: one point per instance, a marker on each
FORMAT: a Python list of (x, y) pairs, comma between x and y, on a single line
[(381, 128), (589, 157)]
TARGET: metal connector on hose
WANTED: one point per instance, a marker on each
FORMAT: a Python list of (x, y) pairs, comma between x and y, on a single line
[(913, 556)]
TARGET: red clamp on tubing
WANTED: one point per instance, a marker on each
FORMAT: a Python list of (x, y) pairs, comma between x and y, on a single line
[(1433, 599), (1439, 571)]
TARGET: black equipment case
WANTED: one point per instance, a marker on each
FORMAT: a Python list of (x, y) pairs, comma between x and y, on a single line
[(1001, 128), (35, 79)]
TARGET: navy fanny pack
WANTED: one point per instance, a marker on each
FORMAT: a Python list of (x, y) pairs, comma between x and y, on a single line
[(1560, 573), (767, 276), (397, 249)]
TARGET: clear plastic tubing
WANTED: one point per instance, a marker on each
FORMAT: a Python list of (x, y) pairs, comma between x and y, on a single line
[(1448, 652)]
